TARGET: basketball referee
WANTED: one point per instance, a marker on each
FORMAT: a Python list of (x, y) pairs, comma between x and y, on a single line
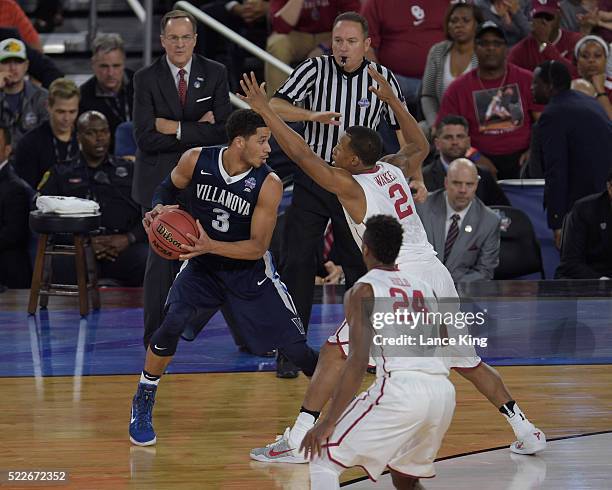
[(332, 93)]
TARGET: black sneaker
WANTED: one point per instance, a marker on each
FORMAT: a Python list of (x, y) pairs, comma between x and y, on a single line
[(285, 368)]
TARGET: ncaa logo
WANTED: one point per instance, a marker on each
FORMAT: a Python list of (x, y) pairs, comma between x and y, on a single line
[(363, 103), (419, 14)]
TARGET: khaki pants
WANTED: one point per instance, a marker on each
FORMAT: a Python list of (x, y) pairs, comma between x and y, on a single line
[(289, 48)]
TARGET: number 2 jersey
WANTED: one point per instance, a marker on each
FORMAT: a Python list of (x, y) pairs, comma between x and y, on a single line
[(387, 192), (224, 204)]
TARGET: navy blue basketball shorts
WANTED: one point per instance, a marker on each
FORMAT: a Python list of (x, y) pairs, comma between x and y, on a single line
[(256, 297)]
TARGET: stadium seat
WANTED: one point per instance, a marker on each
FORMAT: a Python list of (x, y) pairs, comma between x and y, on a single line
[(519, 253)]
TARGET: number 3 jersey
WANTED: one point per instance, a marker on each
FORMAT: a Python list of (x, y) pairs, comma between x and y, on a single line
[(224, 204), (387, 192)]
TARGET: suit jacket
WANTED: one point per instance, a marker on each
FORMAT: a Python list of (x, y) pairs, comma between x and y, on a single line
[(116, 109), (576, 151), (15, 267), (156, 95), (488, 191), (586, 252), (475, 254)]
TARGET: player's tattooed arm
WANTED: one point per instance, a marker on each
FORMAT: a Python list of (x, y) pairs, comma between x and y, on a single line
[(360, 339)]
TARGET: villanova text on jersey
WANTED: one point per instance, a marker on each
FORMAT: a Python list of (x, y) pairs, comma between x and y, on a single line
[(224, 204)]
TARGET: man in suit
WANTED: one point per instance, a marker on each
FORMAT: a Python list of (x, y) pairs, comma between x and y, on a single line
[(575, 142), (453, 141), (462, 230), (15, 267), (587, 238), (181, 101)]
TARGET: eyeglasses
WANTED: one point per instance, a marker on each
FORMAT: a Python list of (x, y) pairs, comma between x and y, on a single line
[(185, 39)]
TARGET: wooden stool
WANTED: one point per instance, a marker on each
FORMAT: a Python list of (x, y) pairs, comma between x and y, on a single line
[(79, 226)]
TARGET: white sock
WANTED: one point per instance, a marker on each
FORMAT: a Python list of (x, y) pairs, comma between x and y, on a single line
[(303, 424), (147, 381), (518, 421), (322, 477)]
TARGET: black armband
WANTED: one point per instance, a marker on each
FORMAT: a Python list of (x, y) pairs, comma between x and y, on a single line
[(165, 193)]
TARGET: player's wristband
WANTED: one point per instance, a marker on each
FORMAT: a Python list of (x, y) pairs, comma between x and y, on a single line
[(601, 94)]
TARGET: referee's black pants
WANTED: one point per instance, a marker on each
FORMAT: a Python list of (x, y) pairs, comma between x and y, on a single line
[(305, 221)]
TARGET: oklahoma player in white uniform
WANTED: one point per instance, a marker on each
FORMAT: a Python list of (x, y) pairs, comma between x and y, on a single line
[(357, 155), (410, 404)]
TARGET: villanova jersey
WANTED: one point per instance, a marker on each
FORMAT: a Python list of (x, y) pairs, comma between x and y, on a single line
[(387, 192), (224, 204), (388, 285)]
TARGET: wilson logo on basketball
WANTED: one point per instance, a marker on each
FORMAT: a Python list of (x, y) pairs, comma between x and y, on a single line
[(167, 235)]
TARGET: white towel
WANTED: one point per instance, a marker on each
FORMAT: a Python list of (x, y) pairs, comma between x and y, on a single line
[(66, 205)]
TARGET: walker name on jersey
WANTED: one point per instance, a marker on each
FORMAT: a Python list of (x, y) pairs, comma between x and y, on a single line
[(224, 197), (385, 178)]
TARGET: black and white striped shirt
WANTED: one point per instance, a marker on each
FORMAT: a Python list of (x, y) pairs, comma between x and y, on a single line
[(322, 85)]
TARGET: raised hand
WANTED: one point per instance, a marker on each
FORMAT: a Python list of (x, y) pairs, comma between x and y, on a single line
[(254, 93), (383, 91)]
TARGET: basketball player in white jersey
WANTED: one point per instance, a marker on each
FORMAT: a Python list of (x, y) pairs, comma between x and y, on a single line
[(410, 404), (367, 186)]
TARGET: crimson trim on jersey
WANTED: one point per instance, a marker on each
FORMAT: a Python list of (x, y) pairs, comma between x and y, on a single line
[(372, 170)]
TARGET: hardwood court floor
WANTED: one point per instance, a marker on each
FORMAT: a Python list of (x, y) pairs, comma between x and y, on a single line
[(206, 424)]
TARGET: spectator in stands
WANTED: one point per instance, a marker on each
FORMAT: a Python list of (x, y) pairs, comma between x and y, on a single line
[(575, 142), (249, 18), (508, 15), (181, 101), (450, 58), (42, 68), (23, 105), (110, 89), (592, 54), (496, 100), (15, 267), (298, 29), (452, 142), (604, 20), (402, 39), (576, 17), (462, 230), (54, 141), (121, 249), (587, 238), (547, 40), (11, 15)]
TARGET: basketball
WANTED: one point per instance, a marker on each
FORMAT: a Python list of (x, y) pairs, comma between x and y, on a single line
[(169, 231)]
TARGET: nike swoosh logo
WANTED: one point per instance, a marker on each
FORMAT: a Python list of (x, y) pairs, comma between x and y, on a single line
[(205, 173), (274, 453), (160, 348), (259, 283), (132, 417)]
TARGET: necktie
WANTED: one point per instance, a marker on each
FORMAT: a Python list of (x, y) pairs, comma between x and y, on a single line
[(451, 236), (182, 86)]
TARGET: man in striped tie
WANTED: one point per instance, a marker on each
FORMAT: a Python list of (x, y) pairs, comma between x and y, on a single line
[(463, 231)]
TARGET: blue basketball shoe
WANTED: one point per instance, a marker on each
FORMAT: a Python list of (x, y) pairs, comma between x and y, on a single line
[(141, 425)]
